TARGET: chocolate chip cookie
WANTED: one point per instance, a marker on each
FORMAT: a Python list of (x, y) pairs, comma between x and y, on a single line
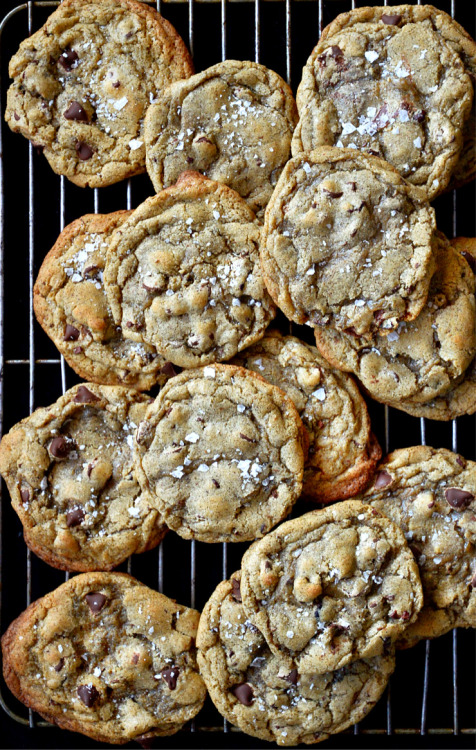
[(332, 586), (347, 242), (431, 495), (183, 274), (253, 689), (391, 82), (69, 471), (83, 82), (222, 453), (232, 122), (343, 452), (71, 306), (108, 657), (423, 358)]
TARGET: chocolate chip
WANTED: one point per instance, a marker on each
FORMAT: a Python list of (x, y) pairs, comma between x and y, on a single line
[(391, 20), (59, 666), (460, 460), (88, 694), (17, 117), (76, 112), (243, 693), (458, 499), (382, 479), (419, 115), (189, 160), (84, 396), (95, 601), (135, 658), (236, 590), (336, 51), (77, 350), (470, 259), (168, 369), (217, 484), (372, 152), (245, 437), (70, 333), (25, 495), (74, 517), (116, 84), (59, 447), (170, 677), (292, 677), (68, 58), (333, 195), (83, 150)]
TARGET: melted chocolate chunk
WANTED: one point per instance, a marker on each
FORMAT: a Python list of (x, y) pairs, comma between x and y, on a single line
[(292, 677), (95, 601), (70, 333), (74, 517), (243, 693), (382, 479), (88, 694), (170, 677), (236, 590), (59, 447), (168, 369), (76, 112), (84, 396), (83, 150), (336, 52), (25, 495), (68, 58), (391, 20), (458, 499)]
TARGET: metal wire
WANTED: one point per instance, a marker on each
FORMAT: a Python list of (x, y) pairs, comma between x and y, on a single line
[(32, 363)]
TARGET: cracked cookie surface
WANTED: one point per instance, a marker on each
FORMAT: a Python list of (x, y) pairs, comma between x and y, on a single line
[(431, 495), (332, 586), (183, 273), (222, 453), (254, 690), (72, 308), (69, 471), (83, 82), (232, 122), (343, 452), (394, 83), (106, 656), (424, 357), (347, 242)]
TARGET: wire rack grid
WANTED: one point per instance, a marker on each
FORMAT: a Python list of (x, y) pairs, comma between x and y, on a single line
[(54, 366)]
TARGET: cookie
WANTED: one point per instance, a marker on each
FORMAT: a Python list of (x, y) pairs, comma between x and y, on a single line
[(232, 122), (343, 452), (183, 274), (423, 358), (71, 307), (390, 83), (108, 657), (332, 586), (222, 453), (431, 495), (83, 82), (255, 691), (69, 471), (347, 242)]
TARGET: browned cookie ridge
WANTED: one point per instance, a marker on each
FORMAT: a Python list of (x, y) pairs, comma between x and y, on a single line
[(108, 657), (83, 82)]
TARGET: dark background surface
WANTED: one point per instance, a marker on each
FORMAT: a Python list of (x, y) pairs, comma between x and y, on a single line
[(403, 710)]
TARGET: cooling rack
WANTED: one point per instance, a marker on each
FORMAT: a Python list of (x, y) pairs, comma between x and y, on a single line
[(431, 698)]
